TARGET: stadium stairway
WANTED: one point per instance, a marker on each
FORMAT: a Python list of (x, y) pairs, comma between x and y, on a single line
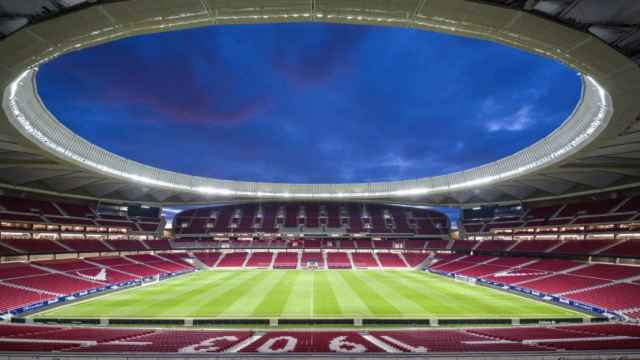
[(109, 268), (406, 263), (246, 261), (150, 265), (565, 271), (22, 287), (620, 281), (199, 264), (67, 274), (106, 243), (375, 257), (611, 245), (62, 245), (353, 266), (426, 262)]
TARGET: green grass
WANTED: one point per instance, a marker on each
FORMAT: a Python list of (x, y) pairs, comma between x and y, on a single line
[(309, 294)]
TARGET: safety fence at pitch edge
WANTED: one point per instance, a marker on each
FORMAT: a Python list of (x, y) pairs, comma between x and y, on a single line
[(91, 292), (533, 293)]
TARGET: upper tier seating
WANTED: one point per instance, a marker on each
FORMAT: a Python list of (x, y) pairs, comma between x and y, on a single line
[(581, 247), (25, 205), (534, 246), (629, 248), (463, 245), (415, 244), (437, 244), (35, 246), (162, 244), (494, 245), (84, 245), (296, 216), (126, 245)]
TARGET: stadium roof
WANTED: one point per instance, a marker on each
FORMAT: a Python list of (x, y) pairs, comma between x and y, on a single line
[(596, 149)]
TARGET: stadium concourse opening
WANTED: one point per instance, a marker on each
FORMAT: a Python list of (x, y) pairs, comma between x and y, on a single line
[(312, 142)]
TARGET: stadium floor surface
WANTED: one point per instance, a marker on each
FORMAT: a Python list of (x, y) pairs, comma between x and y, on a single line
[(309, 294)]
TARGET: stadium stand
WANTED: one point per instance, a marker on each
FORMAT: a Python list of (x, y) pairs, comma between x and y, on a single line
[(208, 258), (260, 260), (233, 260), (30, 338), (338, 260), (286, 260), (381, 219), (364, 260), (391, 260)]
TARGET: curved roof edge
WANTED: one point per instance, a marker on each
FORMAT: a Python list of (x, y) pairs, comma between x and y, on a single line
[(605, 109)]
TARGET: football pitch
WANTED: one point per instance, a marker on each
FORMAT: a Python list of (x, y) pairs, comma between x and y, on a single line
[(309, 294)]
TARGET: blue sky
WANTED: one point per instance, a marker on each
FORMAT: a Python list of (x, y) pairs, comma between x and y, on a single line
[(308, 102)]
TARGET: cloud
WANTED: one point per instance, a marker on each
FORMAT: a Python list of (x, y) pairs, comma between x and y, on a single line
[(320, 57), (158, 82), (521, 120)]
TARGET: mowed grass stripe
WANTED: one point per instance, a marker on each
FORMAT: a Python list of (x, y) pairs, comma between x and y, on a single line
[(403, 296), (458, 295), (351, 305), (375, 302), (441, 294), (300, 301), (275, 300), (223, 300), (325, 303), (202, 292)]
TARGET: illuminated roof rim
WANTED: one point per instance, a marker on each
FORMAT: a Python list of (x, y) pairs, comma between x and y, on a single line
[(595, 100)]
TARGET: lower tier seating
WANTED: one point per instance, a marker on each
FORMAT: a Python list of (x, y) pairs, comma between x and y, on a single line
[(338, 260), (607, 286), (286, 260), (364, 261), (548, 339), (391, 260), (24, 284), (260, 260), (208, 258), (233, 260)]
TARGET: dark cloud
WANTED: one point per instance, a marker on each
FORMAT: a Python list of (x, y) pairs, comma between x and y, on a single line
[(309, 102), (315, 59)]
